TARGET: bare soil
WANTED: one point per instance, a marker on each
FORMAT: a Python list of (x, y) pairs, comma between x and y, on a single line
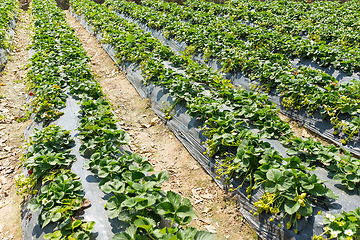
[(12, 100), (300, 131), (216, 210)]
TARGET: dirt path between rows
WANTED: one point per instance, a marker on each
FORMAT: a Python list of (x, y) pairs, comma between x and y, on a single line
[(216, 210), (12, 101)]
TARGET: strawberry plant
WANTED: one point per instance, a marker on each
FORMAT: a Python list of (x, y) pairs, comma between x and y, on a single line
[(48, 150), (341, 226), (59, 199)]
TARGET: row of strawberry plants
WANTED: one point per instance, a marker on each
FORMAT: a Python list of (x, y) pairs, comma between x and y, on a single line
[(137, 197), (8, 12), (324, 22), (338, 56), (302, 87), (256, 161), (60, 60), (47, 158)]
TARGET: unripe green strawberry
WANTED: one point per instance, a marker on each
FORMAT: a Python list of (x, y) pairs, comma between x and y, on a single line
[(289, 225)]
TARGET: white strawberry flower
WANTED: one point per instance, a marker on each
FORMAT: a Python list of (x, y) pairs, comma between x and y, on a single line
[(328, 215), (349, 232), (334, 234), (332, 218), (44, 201)]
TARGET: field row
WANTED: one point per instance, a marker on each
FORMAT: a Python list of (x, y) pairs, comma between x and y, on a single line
[(329, 22)]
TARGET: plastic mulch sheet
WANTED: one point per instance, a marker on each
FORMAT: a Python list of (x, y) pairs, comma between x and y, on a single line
[(314, 123), (104, 228), (4, 52), (186, 130)]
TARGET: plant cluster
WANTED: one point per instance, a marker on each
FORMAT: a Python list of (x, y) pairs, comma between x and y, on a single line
[(343, 226), (47, 160), (137, 196), (226, 110), (325, 51), (47, 150), (330, 22), (8, 12), (262, 55), (58, 202)]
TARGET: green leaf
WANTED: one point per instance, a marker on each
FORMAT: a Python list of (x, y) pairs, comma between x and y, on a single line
[(292, 151), (130, 203), (64, 223), (122, 236), (185, 211), (56, 217), (34, 205), (53, 236), (164, 208), (162, 177), (291, 207), (318, 190), (270, 187), (174, 198), (338, 177), (75, 224), (307, 210), (285, 184), (114, 186), (141, 223), (203, 235), (146, 221), (185, 234), (331, 194), (131, 230), (274, 175)]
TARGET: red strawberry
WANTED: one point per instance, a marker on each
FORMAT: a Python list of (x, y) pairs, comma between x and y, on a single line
[(255, 47), (30, 172), (31, 93)]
